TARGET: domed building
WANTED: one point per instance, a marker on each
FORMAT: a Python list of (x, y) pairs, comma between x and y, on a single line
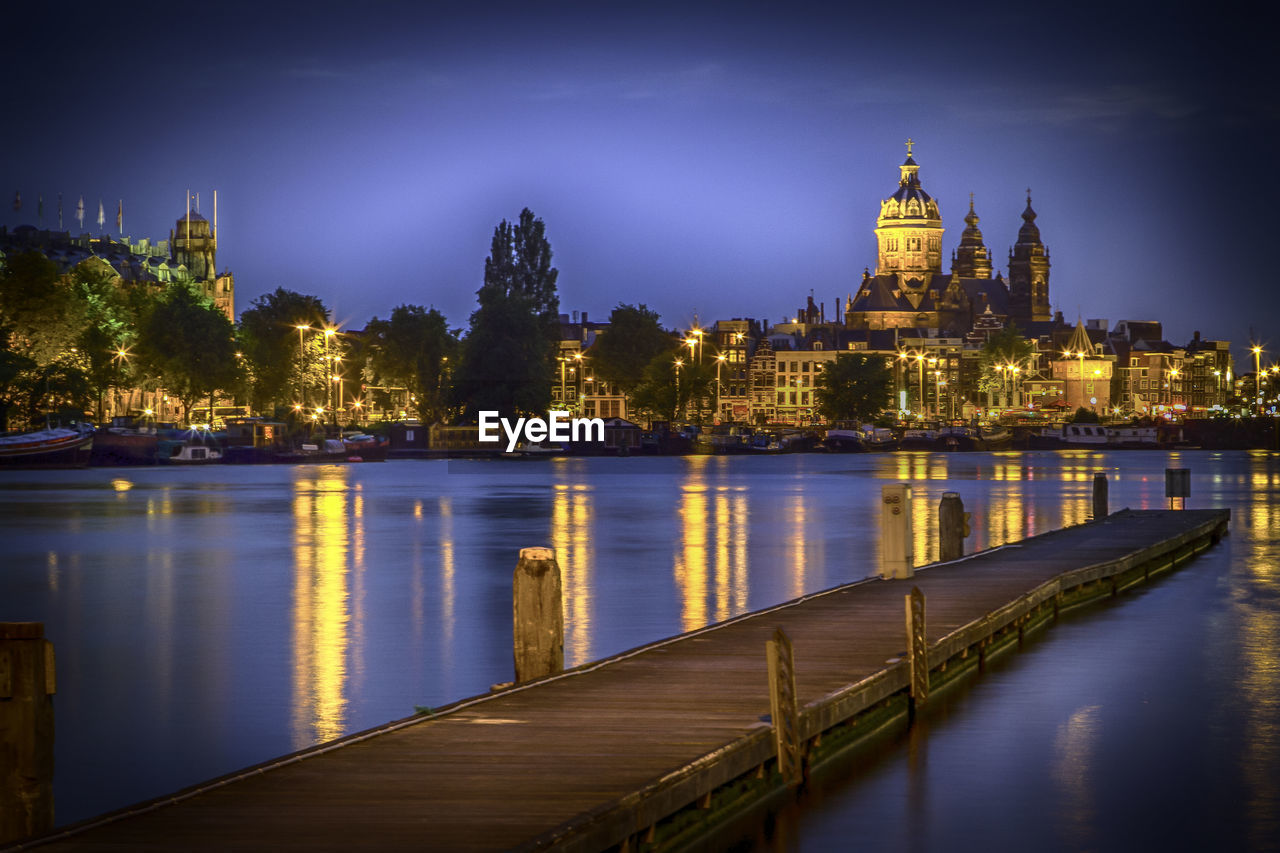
[(909, 290)]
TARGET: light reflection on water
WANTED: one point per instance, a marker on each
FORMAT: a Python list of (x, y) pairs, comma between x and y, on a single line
[(210, 618)]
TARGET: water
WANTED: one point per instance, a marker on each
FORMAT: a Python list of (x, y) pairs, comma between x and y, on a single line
[(209, 618)]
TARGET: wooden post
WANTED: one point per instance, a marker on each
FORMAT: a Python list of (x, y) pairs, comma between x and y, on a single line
[(782, 705), (897, 558), (917, 647), (537, 614), (27, 685), (1100, 496), (950, 527)]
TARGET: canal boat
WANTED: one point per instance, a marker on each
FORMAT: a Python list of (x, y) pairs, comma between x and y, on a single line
[(918, 438), (55, 447), (995, 437), (1133, 437), (1082, 436), (958, 438), (844, 441)]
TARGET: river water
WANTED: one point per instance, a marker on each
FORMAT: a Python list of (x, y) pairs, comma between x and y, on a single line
[(209, 618)]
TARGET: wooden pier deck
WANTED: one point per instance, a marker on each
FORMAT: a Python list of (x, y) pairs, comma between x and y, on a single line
[(595, 757)]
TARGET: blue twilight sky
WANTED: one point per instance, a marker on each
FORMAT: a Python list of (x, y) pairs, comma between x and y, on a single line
[(717, 159)]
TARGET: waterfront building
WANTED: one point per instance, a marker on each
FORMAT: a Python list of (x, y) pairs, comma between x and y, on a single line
[(1085, 371)]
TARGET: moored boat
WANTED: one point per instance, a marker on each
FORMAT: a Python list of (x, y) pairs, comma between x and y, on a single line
[(844, 441), (919, 439), (47, 448)]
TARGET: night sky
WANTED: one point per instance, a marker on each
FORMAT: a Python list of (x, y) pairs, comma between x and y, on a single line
[(718, 160)]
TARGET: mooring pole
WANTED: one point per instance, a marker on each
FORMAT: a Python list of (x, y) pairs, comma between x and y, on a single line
[(537, 615), (950, 527), (783, 707), (1100, 496), (27, 685), (917, 650)]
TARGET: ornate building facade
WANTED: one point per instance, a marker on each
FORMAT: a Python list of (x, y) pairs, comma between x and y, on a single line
[(909, 288)]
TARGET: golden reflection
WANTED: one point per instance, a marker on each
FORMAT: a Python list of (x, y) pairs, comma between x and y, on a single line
[(571, 522), (796, 545), (1259, 621), (321, 616), (51, 570), (120, 484), (448, 590), (691, 559)]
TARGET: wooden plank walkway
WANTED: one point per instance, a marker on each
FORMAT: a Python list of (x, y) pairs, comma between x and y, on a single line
[(594, 757)]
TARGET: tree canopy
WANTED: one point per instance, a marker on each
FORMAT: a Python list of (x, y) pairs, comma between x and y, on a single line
[(634, 338), (286, 367), (413, 348), (189, 346), (1006, 348), (854, 387), (669, 390), (507, 360)]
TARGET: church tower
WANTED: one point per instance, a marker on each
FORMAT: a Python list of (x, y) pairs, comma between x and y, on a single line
[(909, 230), (194, 244), (1029, 272), (971, 259)]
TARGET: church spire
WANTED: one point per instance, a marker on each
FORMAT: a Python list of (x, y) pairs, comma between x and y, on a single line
[(972, 259), (1029, 271)]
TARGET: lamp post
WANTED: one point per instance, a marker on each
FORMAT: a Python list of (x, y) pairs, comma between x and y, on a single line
[(719, 362), (679, 364), (1015, 390), (920, 368), (577, 381), (302, 365), (1257, 376)]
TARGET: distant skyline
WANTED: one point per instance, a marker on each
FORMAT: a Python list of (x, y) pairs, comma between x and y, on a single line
[(719, 160)]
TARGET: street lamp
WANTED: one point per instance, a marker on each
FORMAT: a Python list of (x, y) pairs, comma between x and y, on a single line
[(719, 361), (302, 366), (1257, 375), (679, 364), (920, 368)]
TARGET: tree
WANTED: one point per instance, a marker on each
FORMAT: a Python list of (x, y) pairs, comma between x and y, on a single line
[(667, 388), (41, 320), (508, 357), (1004, 350), (413, 348), (285, 367), (634, 338), (189, 345), (854, 387)]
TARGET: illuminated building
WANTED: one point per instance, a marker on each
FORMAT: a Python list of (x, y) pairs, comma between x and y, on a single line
[(187, 257), (909, 288)]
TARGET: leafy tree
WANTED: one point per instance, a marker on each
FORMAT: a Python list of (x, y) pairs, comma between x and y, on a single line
[(1006, 348), (189, 345), (508, 357), (413, 348), (111, 311), (668, 390), (284, 366), (634, 338), (39, 308), (1084, 416), (854, 387)]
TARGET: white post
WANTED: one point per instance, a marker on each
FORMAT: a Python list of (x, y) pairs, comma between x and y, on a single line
[(897, 559)]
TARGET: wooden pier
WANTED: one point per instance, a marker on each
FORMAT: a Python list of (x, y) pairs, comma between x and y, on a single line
[(633, 751)]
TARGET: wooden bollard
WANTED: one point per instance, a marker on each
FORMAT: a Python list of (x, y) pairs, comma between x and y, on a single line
[(537, 615), (917, 648), (783, 707), (950, 527), (27, 685), (1100, 496)]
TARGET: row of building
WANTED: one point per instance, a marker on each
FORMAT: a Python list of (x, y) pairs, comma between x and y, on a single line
[(929, 326)]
